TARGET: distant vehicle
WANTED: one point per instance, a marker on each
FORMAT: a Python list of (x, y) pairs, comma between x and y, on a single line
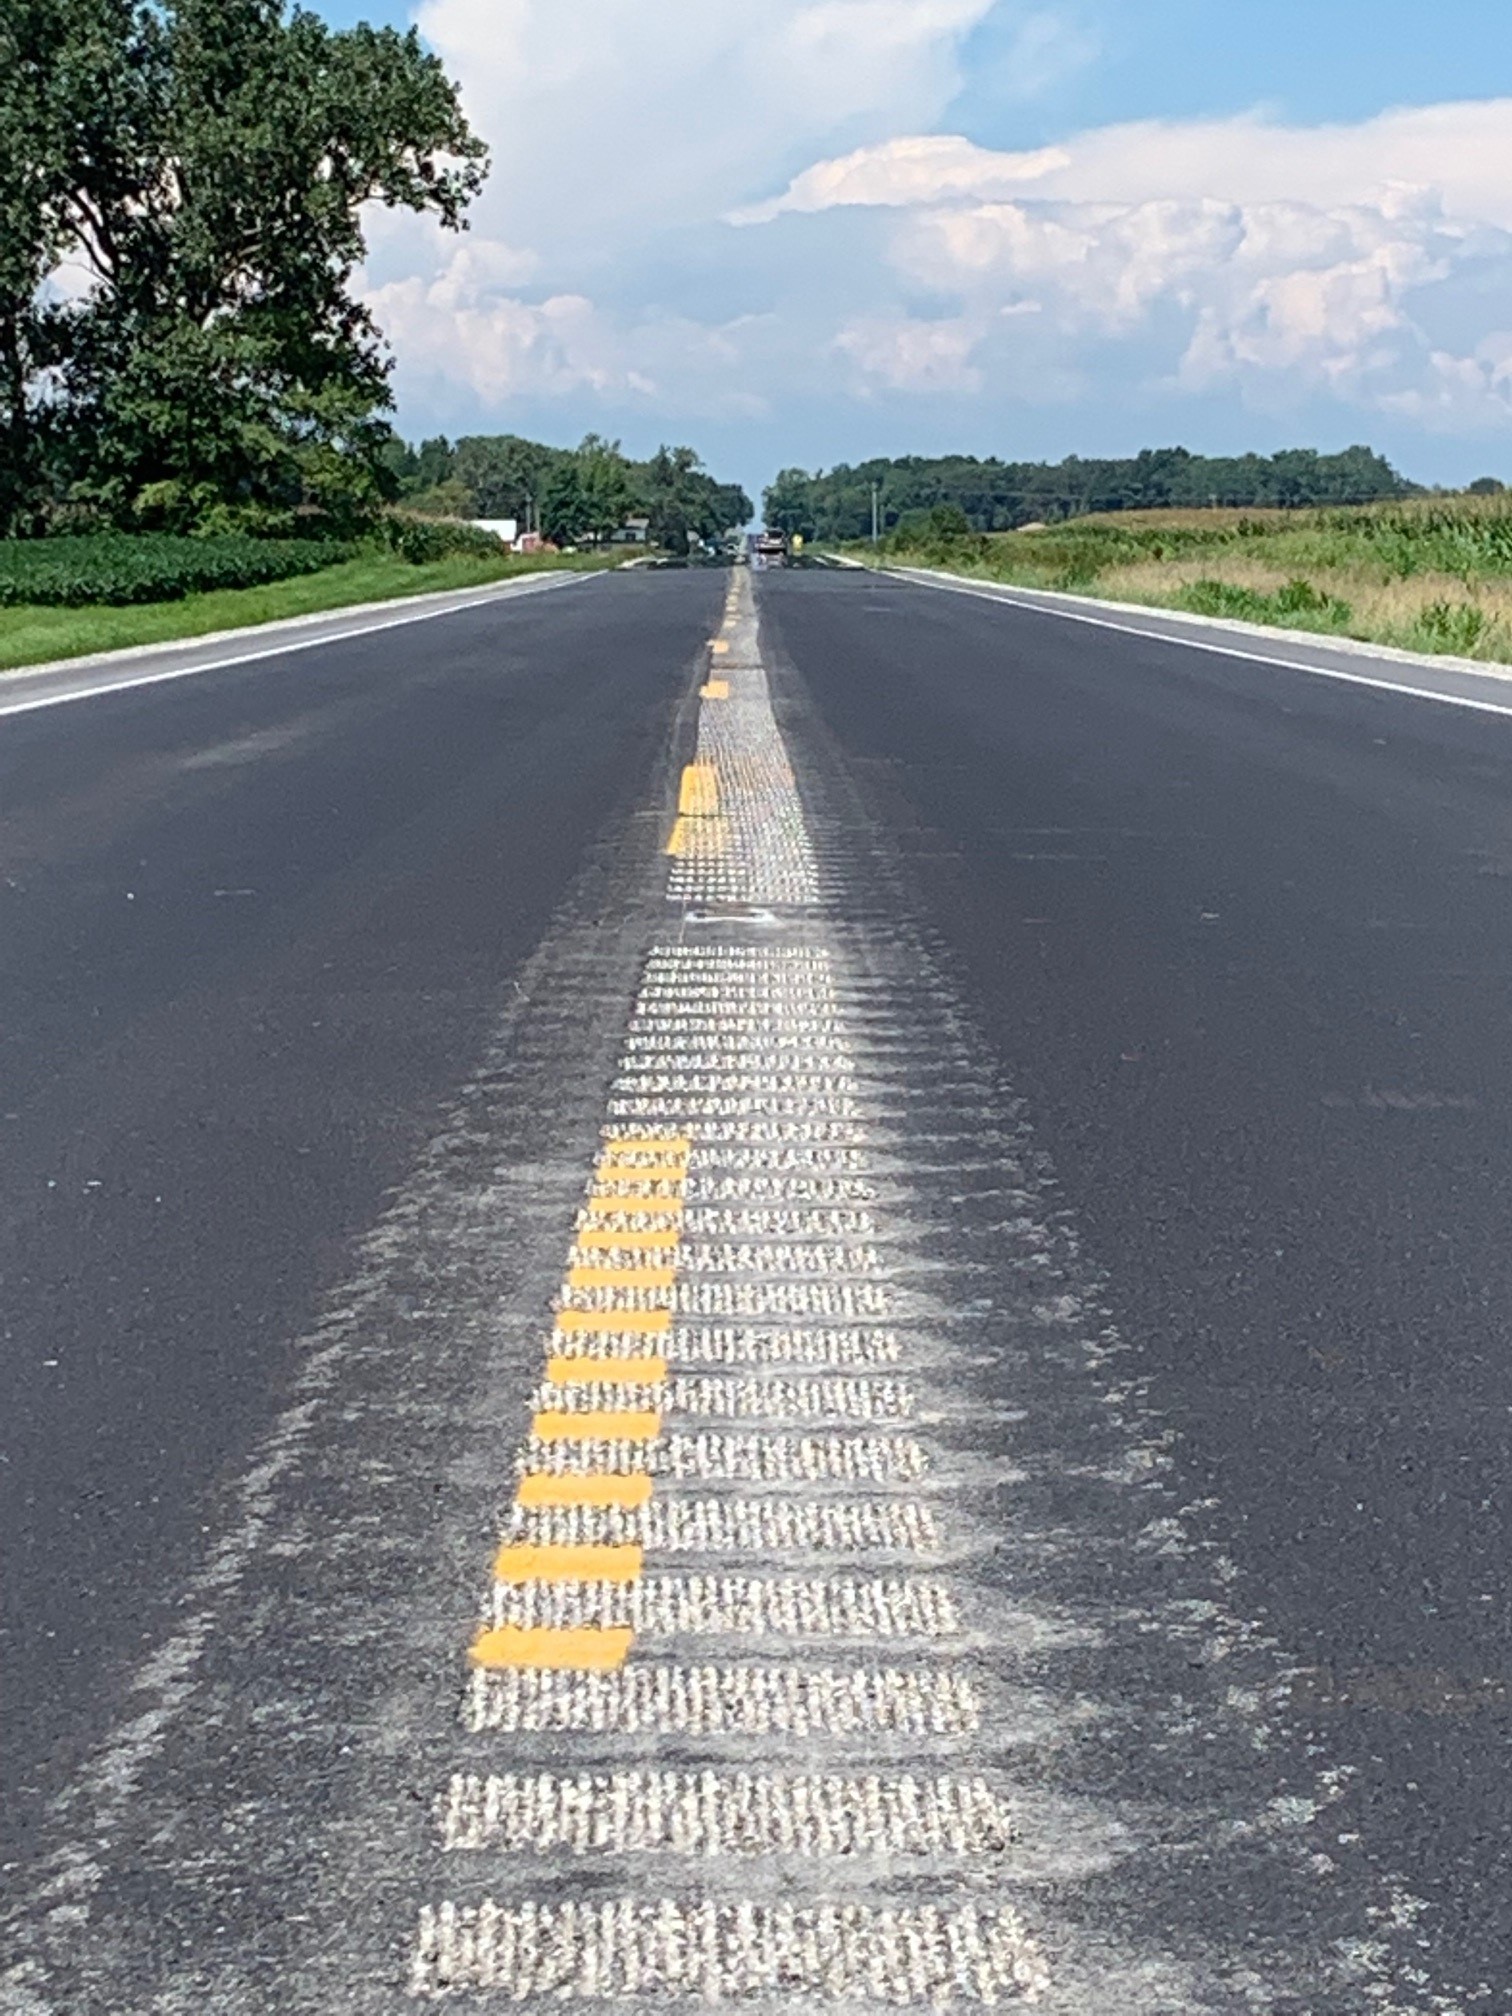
[(769, 549)]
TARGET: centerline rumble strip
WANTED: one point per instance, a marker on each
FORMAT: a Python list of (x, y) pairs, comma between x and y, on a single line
[(719, 1532), (769, 1700)]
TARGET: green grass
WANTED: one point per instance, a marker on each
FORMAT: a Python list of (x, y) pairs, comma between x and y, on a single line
[(31, 635)]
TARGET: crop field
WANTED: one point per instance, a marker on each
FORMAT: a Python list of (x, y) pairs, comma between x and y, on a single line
[(117, 569), (1429, 574)]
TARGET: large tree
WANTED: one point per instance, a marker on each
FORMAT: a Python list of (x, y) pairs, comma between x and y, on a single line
[(686, 503), (204, 165)]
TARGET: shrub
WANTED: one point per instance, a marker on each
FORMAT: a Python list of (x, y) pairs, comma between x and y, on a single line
[(119, 567), (1450, 626), (1297, 599), (420, 540)]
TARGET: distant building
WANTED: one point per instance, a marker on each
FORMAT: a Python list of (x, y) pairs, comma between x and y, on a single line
[(634, 532), (506, 530)]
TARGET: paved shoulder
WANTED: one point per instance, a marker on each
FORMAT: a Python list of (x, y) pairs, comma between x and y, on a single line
[(31, 687), (1458, 682)]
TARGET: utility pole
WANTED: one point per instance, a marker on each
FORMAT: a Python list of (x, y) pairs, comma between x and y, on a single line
[(876, 490)]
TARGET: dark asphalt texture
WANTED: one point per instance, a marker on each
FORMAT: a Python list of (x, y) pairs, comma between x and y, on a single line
[(1239, 936), (1242, 937), (253, 926)]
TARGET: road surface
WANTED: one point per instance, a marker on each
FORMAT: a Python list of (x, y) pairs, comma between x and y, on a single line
[(802, 1314)]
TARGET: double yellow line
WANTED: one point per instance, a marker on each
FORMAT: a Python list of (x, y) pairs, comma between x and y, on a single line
[(616, 1307)]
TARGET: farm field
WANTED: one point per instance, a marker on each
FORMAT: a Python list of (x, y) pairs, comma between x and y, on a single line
[(1429, 574)]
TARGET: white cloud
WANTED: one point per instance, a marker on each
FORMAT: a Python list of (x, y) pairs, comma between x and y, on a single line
[(1234, 257), (924, 168), (619, 136), (1463, 151), (913, 355), (1285, 262), (607, 118), (457, 332)]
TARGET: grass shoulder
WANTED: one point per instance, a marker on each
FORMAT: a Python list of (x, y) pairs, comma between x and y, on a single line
[(33, 634), (1430, 575)]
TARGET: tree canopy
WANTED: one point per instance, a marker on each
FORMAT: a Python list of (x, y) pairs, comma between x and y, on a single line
[(573, 493), (182, 185), (997, 496)]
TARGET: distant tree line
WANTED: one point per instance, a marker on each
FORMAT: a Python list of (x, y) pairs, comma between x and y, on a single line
[(570, 495), (995, 496), (182, 184)]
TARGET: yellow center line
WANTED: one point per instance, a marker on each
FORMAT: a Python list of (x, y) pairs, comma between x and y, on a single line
[(664, 1147), (527, 1562), (626, 1491), (716, 689), (639, 1424), (564, 1371), (698, 793), (642, 1322), (585, 1649)]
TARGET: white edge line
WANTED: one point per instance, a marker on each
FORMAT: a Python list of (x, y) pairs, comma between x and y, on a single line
[(277, 648), (985, 592)]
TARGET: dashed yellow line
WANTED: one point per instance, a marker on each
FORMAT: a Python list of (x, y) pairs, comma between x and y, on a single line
[(632, 1424), (583, 1562), (589, 1649), (715, 689), (698, 794), (592, 1238), (719, 645), (564, 1371), (629, 1148), (640, 1322), (599, 1347), (625, 1491)]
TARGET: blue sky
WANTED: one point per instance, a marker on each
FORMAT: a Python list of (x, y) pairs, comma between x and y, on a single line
[(828, 228)]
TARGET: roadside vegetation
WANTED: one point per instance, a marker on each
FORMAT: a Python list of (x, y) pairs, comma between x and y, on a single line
[(194, 404), (995, 496), (569, 495), (35, 634), (1429, 574)]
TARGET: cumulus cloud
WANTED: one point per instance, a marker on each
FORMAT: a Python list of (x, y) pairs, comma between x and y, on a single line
[(1281, 261), (618, 140), (923, 168), (606, 120), (914, 355), (697, 210)]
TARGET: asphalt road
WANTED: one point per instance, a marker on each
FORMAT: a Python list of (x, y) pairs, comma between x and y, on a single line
[(254, 926), (1161, 999), (1242, 937)]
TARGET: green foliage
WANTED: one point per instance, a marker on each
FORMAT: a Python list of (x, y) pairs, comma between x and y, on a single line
[(1458, 627), (207, 164), (425, 540), (564, 503), (996, 496), (111, 568), (446, 499), (685, 503), (571, 494), (1298, 604)]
